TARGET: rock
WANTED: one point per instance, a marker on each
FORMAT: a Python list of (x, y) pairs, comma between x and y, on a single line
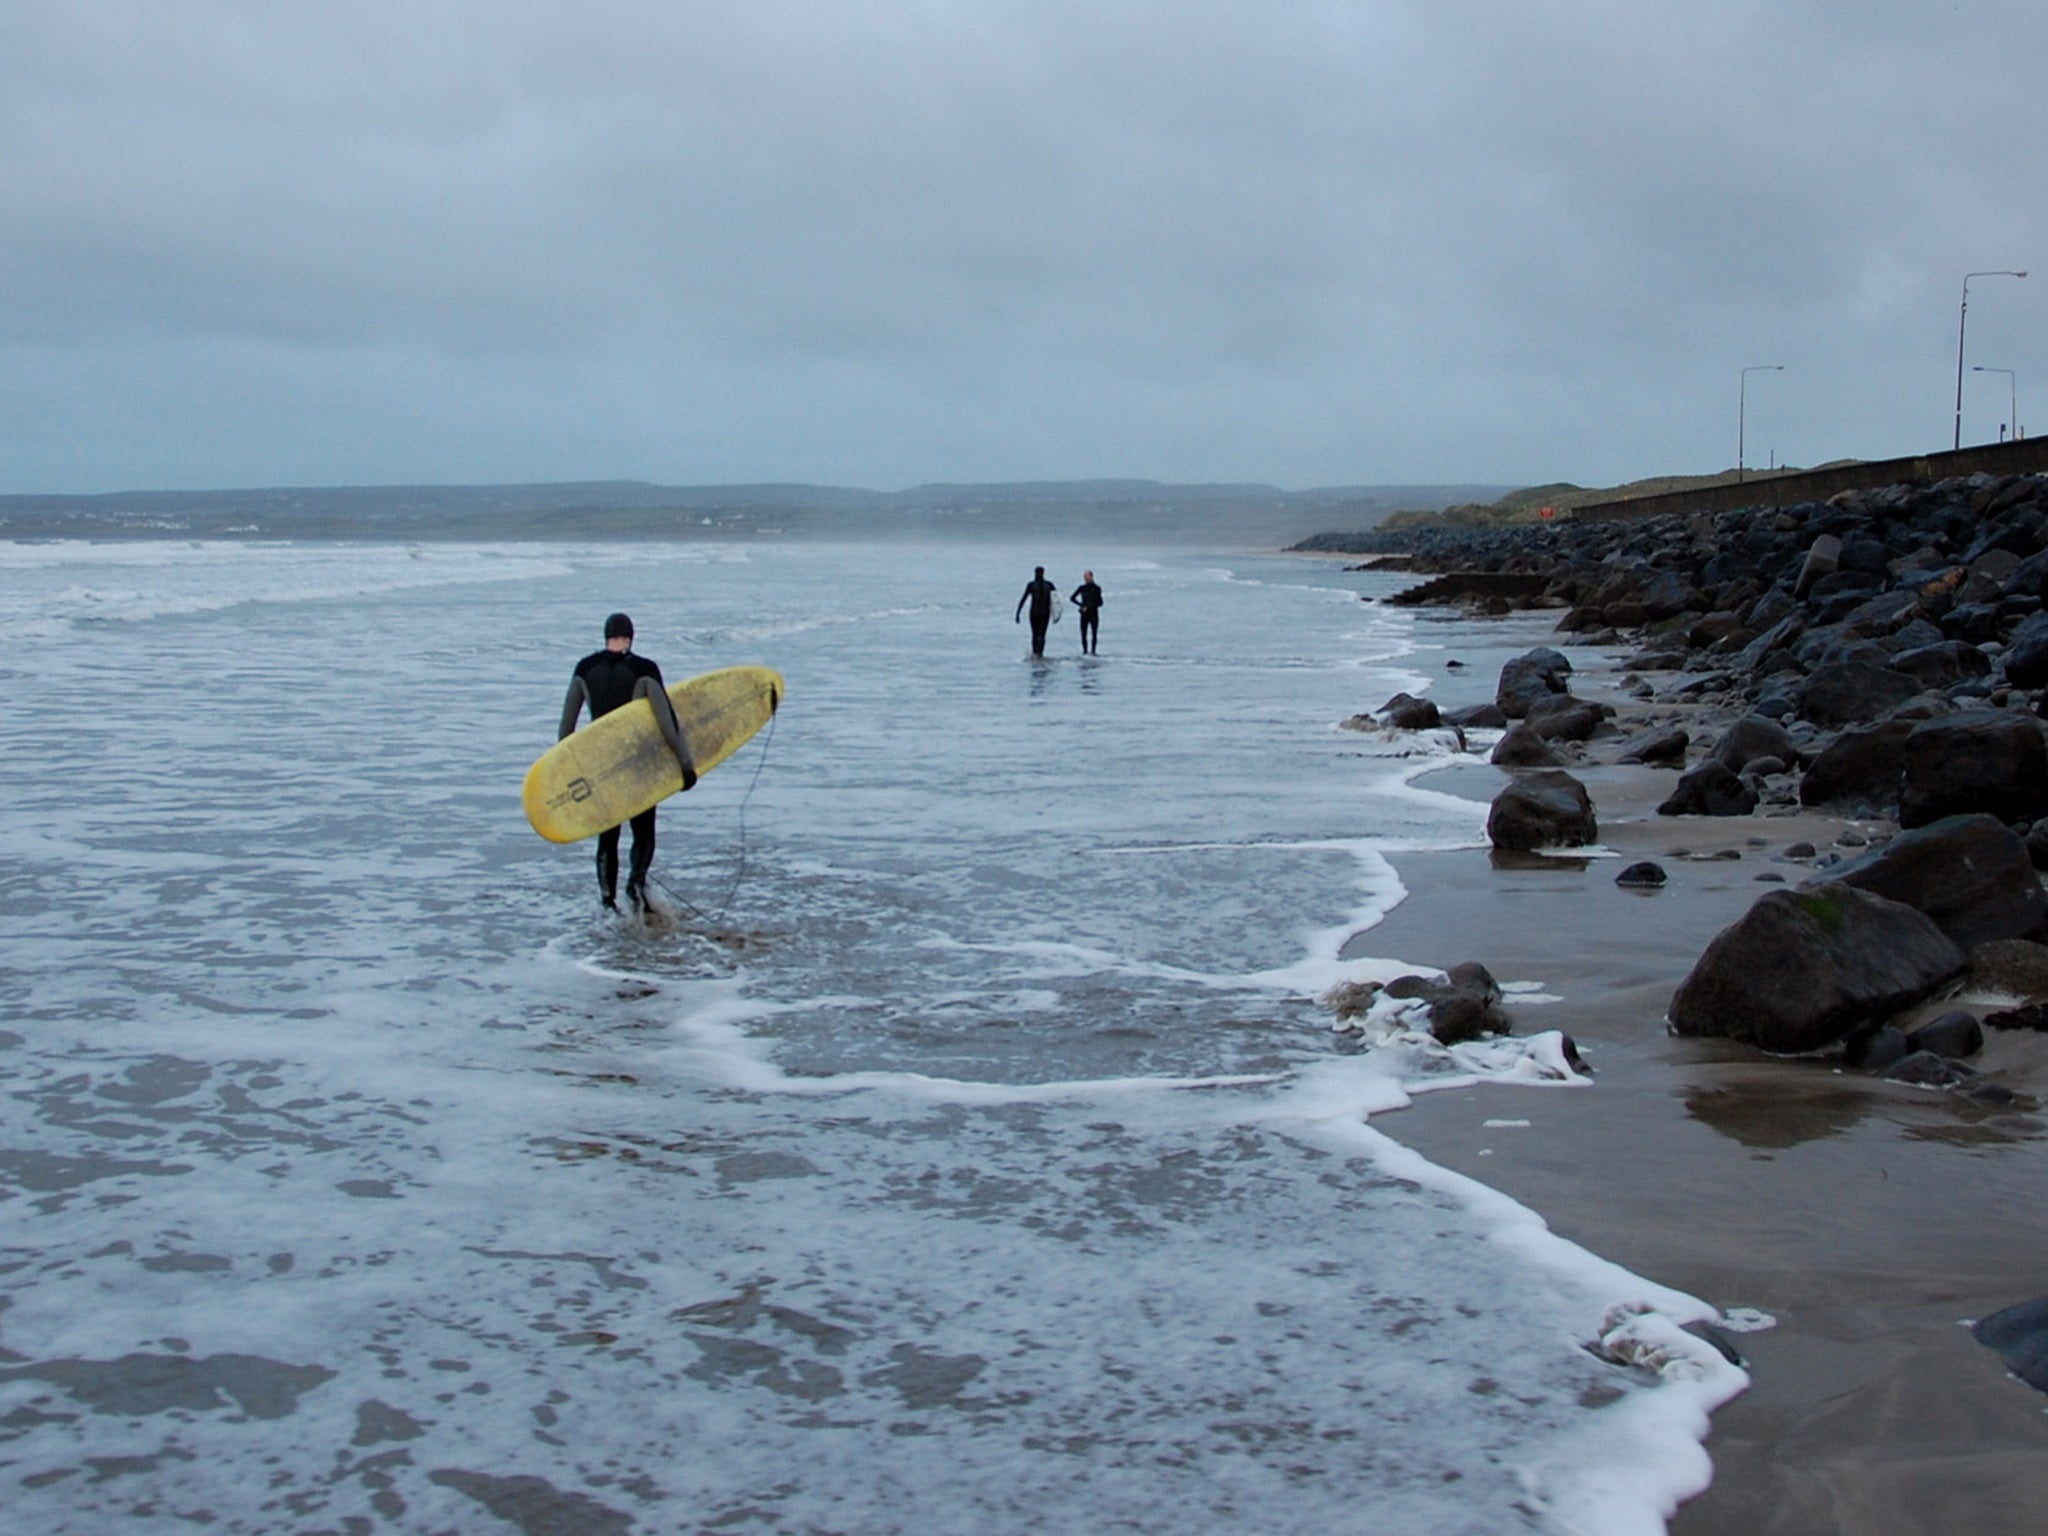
[(2015, 968), (2020, 1336), (2026, 659), (1642, 875), (1537, 674), (1405, 712), (1523, 747), (1564, 718), (1658, 749), (1955, 1035), (1802, 969), (1860, 770), (1477, 717), (1924, 1069), (1549, 809), (1943, 665), (1823, 558), (1876, 1050), (1971, 874), (1852, 693), (1753, 737), (2032, 1016), (1986, 760), (1711, 789), (1463, 1006)]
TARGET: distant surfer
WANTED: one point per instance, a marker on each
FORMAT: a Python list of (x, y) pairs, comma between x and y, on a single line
[(1088, 598), (1040, 594), (607, 680)]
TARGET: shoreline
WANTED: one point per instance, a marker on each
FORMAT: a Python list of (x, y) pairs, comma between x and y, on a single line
[(1869, 1220)]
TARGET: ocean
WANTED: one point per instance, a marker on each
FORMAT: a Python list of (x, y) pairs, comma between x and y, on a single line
[(973, 1154)]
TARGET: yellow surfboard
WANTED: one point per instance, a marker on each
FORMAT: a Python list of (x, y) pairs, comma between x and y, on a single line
[(615, 768)]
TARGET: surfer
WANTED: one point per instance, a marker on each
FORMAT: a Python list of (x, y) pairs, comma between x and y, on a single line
[(1088, 598), (1039, 593), (607, 680)]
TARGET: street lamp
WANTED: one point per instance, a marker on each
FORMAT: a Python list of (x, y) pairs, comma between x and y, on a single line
[(1962, 323), (1742, 408), (2012, 402)]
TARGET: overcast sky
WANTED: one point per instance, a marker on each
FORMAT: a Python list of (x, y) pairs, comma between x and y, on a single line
[(883, 242)]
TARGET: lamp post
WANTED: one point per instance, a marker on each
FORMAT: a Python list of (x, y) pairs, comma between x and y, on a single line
[(1742, 408), (1962, 324), (2012, 397)]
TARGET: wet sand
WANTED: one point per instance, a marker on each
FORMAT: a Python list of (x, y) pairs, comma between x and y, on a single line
[(1871, 1220)]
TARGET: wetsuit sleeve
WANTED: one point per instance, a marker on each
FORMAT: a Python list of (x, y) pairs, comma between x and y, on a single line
[(1018, 616), (572, 706)]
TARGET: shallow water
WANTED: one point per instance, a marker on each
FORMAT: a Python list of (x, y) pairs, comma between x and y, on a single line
[(972, 1155)]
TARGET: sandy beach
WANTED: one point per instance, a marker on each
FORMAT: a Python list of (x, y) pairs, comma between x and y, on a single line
[(1869, 1221)]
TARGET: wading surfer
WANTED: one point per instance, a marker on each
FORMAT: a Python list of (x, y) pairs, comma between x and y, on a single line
[(1039, 593), (607, 680), (1088, 598)]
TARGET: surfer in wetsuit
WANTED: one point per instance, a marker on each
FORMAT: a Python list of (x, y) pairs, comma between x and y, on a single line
[(1088, 598), (1039, 593), (606, 680)]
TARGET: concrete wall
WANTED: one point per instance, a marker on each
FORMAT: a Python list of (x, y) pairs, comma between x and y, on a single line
[(2028, 455)]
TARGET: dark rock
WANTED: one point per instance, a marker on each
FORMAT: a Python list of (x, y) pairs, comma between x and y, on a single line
[(1986, 760), (1405, 712), (1876, 1050), (1924, 1069), (1711, 789), (1860, 770), (1537, 674), (2020, 1336), (1564, 718), (1852, 693), (1970, 874), (1955, 1035), (1804, 968), (2015, 968), (1642, 875), (1658, 749), (1523, 747), (2037, 844), (1824, 558), (1753, 737), (2026, 659), (1542, 810), (1943, 665), (1477, 717), (1463, 1006)]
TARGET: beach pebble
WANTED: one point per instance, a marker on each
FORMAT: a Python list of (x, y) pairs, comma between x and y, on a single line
[(1644, 874), (1800, 851)]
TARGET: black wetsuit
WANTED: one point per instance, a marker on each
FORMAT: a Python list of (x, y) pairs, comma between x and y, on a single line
[(1039, 593), (1088, 598), (606, 680)]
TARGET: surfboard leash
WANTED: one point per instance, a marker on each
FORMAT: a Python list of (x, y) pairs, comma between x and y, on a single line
[(740, 869)]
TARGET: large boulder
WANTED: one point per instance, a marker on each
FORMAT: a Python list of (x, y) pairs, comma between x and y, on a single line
[(1971, 874), (1523, 747), (1803, 969), (1986, 760), (1711, 789), (1852, 693), (1405, 712), (1860, 770), (1550, 809), (2026, 661), (1661, 749), (1535, 675), (1753, 737), (1564, 718)]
